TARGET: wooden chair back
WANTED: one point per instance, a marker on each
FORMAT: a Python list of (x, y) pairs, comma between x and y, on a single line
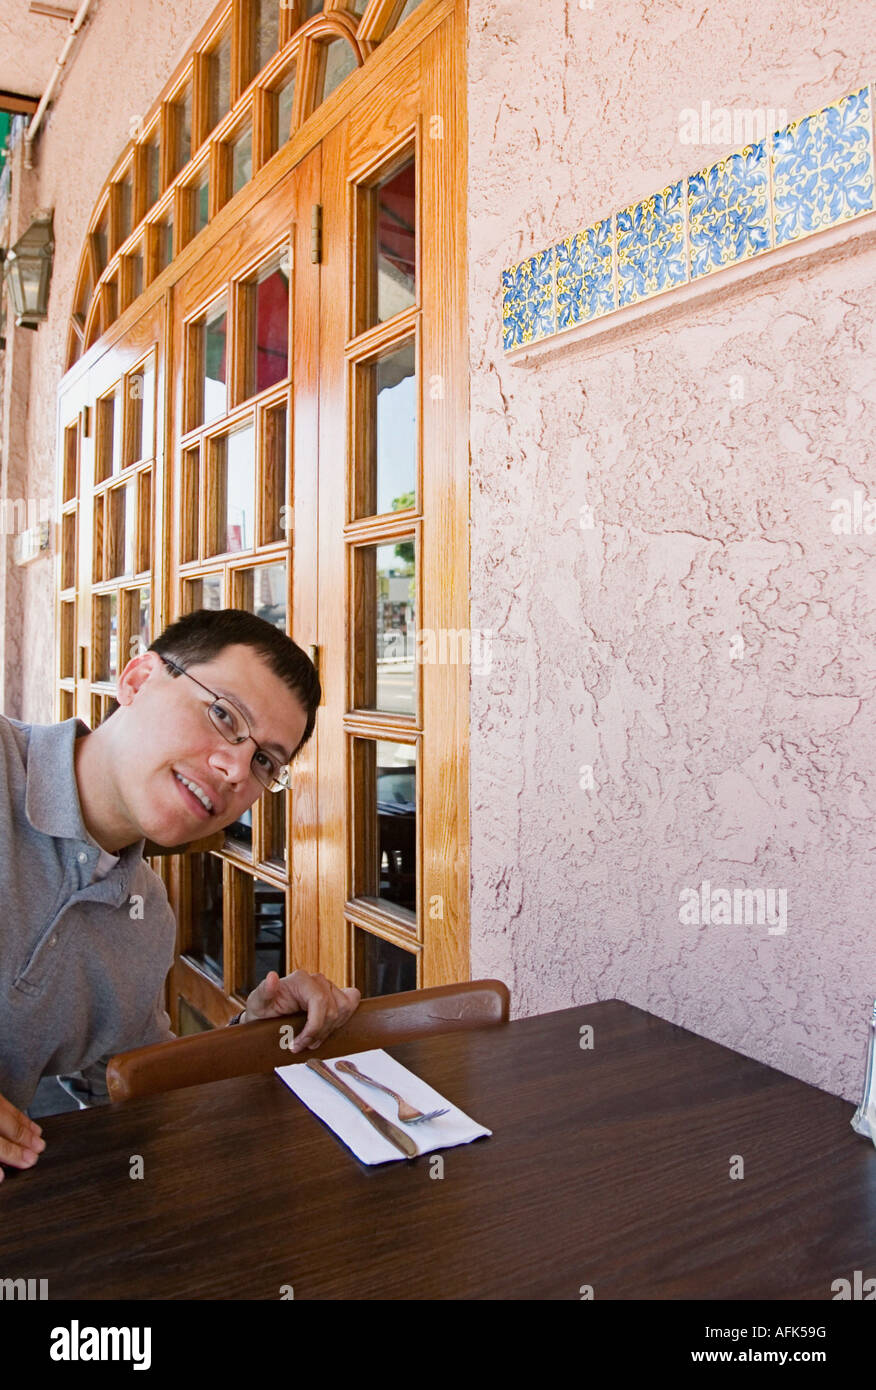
[(256, 1047)]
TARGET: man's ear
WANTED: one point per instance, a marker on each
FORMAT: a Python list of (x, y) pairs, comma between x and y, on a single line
[(135, 675)]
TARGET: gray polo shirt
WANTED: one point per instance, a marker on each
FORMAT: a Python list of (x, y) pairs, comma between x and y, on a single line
[(82, 964)]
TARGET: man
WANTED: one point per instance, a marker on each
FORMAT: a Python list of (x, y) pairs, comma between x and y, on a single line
[(209, 718)]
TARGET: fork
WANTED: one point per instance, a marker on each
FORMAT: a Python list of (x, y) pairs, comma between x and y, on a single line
[(408, 1114)]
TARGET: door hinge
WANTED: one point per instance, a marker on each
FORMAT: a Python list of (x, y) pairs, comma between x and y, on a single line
[(316, 234)]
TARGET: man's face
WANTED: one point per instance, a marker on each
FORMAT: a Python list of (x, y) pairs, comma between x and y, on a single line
[(164, 735)]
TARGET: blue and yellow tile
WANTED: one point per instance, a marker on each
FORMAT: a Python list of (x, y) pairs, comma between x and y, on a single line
[(823, 169), (650, 246), (585, 279), (528, 300), (728, 211)]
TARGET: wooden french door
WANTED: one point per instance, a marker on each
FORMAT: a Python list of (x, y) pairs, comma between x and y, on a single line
[(312, 466), (111, 482)]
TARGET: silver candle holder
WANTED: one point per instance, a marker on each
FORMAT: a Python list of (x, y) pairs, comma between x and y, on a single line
[(864, 1118)]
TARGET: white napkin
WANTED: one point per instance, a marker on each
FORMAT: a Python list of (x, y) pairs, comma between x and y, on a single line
[(350, 1125)]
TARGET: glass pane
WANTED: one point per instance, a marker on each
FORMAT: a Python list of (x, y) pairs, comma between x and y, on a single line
[(274, 814), (205, 882), (109, 436), (340, 61), (241, 160), (238, 835), (134, 423), (268, 934), (144, 534), (189, 506), (219, 81), (202, 200), (152, 171), (267, 32), (105, 636), (125, 208), (214, 396), (68, 550), (101, 244), (144, 620), (268, 348), (284, 104), (183, 127), (120, 556), (386, 647), (381, 967), (359, 6), (276, 521), (203, 593), (409, 8), (388, 398), (191, 1020), (395, 243), (135, 276), (396, 818), (97, 540), (147, 391), (71, 462), (310, 8), (163, 244), (262, 591), (68, 642), (232, 486)]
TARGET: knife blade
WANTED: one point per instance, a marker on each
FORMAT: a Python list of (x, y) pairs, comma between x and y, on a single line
[(396, 1136)]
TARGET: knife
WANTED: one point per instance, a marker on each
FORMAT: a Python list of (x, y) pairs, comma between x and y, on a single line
[(383, 1126)]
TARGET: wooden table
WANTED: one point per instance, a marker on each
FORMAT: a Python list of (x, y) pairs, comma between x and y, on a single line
[(607, 1167)]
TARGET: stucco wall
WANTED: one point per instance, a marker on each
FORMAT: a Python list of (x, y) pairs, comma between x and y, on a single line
[(612, 648), (125, 55)]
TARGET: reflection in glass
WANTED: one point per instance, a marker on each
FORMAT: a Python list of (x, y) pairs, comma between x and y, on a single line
[(262, 591), (284, 104), (394, 635), (241, 160), (183, 107), (152, 172), (214, 394), (269, 933), (108, 447), (395, 435), (340, 61), (106, 637), (274, 814), (238, 835), (219, 81), (121, 533), (395, 242), (233, 489), (100, 244), (205, 881), (143, 619), (191, 1020), (147, 392), (267, 33), (397, 820), (163, 244), (409, 8), (202, 200), (276, 520), (135, 276), (125, 224), (268, 349), (204, 593), (382, 967)]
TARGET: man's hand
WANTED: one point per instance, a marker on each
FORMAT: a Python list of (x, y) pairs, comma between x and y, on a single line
[(327, 1006), (21, 1141)]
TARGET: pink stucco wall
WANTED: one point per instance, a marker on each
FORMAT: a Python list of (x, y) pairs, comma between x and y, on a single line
[(613, 647)]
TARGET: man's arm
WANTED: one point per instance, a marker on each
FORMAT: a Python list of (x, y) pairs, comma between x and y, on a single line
[(328, 1007)]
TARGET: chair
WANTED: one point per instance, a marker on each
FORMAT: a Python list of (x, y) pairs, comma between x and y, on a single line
[(255, 1047)]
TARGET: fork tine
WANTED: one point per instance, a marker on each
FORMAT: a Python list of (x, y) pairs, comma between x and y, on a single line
[(432, 1115)]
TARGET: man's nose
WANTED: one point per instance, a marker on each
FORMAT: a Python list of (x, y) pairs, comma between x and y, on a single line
[(233, 760)]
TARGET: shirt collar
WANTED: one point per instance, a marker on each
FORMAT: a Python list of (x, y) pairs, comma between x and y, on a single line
[(52, 797)]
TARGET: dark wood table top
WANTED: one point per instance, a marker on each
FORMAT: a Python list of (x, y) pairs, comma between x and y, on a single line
[(607, 1167)]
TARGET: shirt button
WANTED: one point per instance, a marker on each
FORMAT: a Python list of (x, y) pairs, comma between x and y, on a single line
[(82, 856), (54, 941)]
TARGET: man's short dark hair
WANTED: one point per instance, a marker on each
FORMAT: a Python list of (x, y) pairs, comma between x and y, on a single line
[(202, 635)]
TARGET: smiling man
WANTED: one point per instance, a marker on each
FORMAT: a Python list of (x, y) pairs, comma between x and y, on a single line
[(209, 719)]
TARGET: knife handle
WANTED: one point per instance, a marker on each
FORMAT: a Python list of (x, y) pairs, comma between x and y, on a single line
[(328, 1075)]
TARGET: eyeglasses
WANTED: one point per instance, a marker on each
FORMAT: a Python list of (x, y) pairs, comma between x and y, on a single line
[(227, 718)]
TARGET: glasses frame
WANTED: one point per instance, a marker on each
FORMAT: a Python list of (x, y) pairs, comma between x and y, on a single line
[(283, 779)]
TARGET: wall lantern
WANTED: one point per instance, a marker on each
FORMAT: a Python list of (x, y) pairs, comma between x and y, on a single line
[(29, 272)]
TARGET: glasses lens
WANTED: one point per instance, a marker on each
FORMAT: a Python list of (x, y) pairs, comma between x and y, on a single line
[(227, 720)]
